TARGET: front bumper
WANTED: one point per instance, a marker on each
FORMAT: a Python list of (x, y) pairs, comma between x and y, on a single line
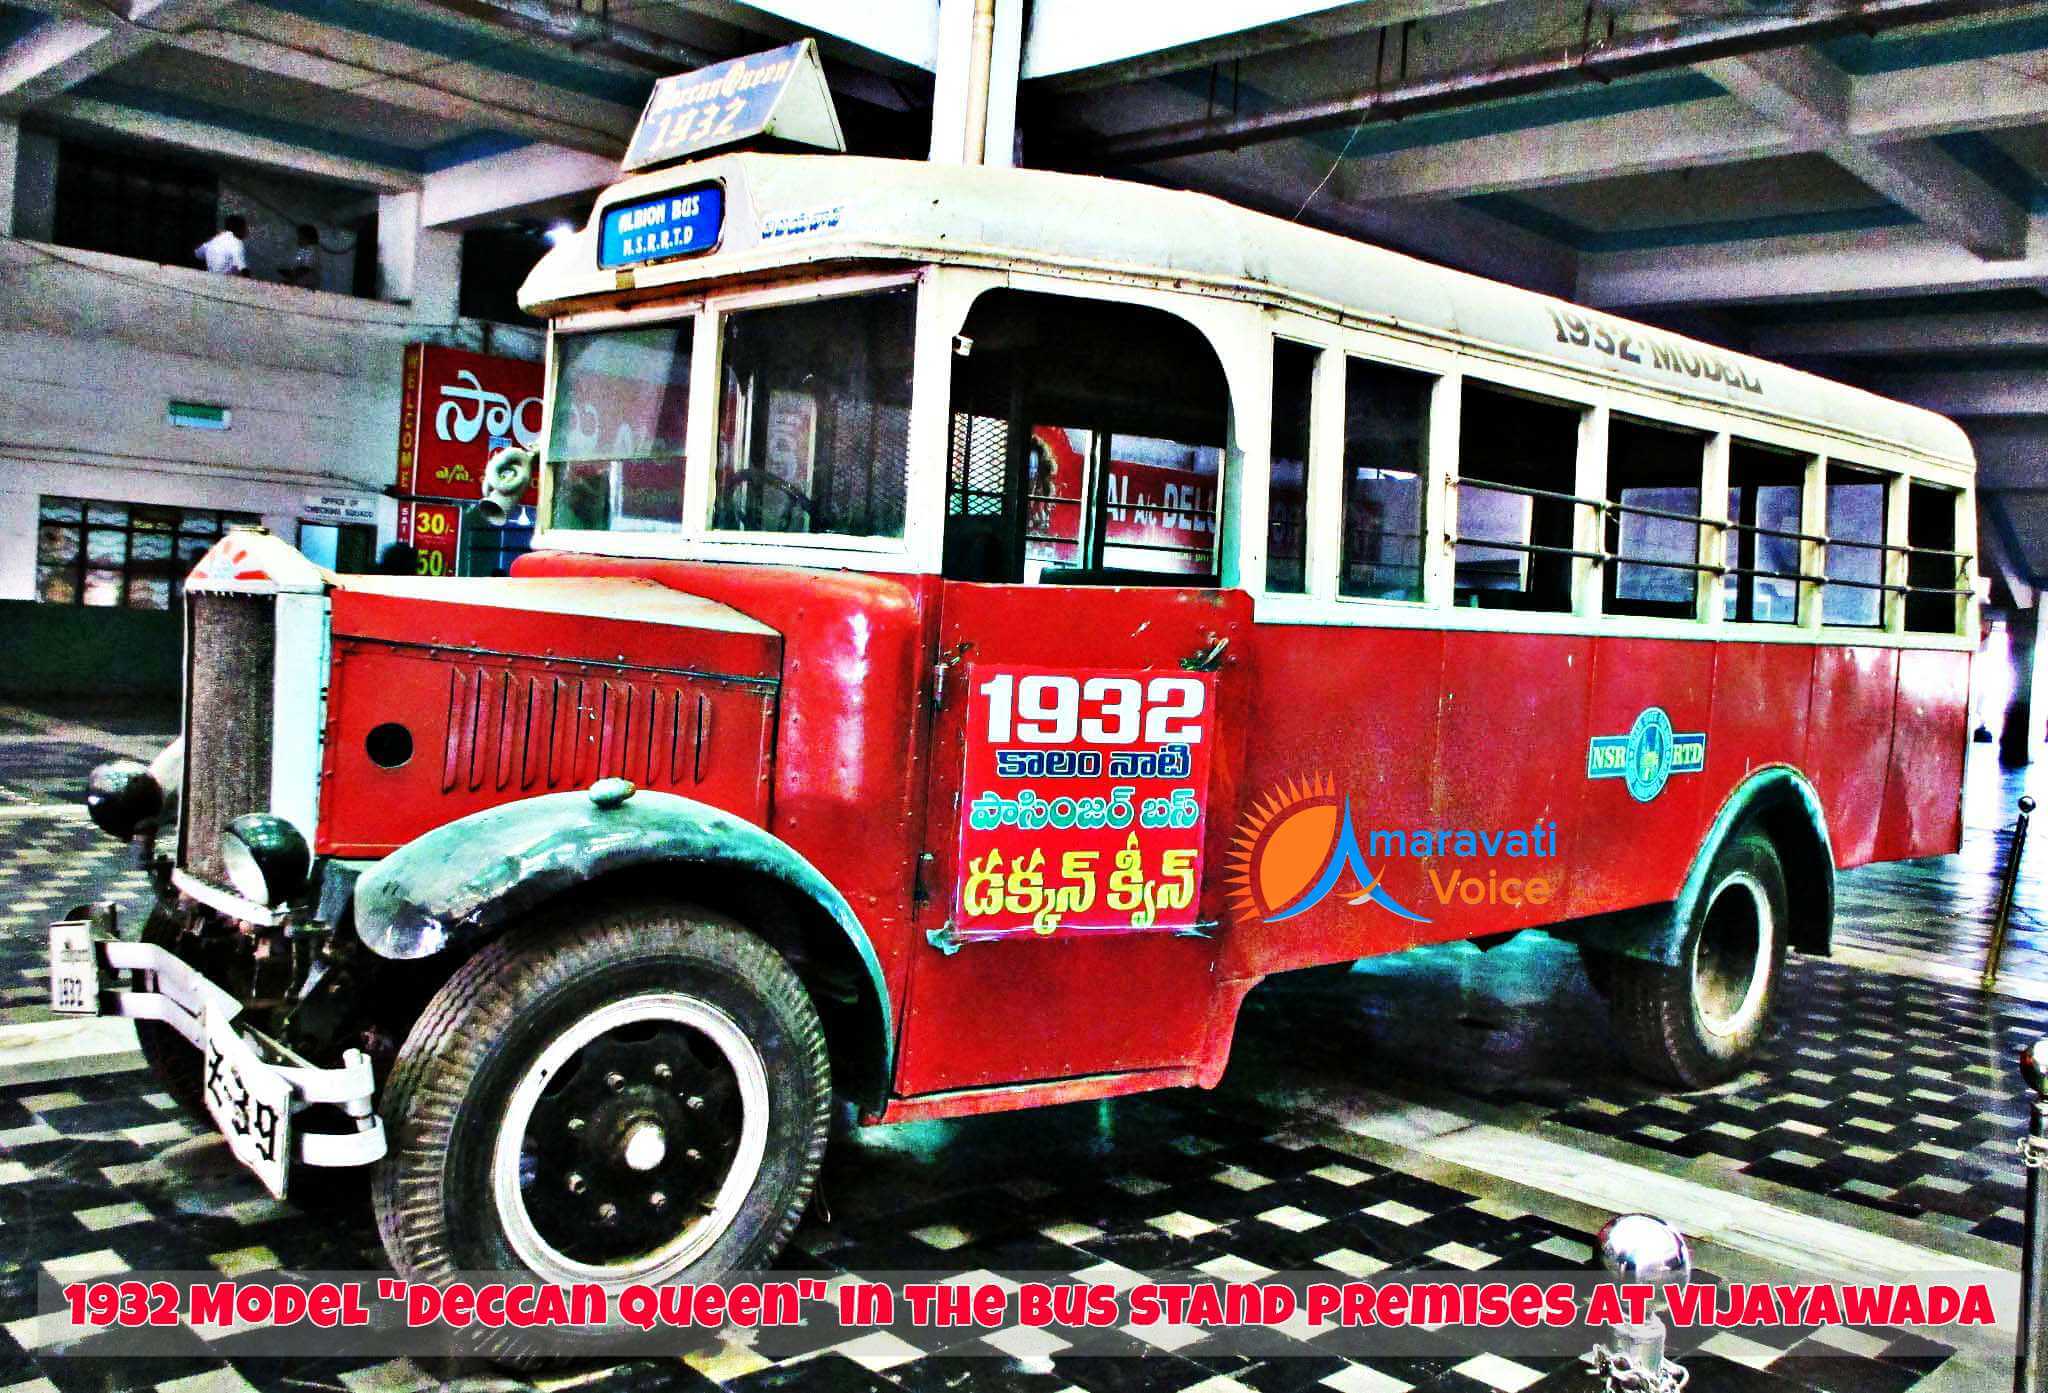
[(93, 973)]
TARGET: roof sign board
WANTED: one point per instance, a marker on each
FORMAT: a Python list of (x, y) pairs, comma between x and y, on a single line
[(666, 225), (781, 94)]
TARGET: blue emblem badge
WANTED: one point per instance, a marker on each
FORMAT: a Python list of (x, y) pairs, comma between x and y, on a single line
[(1646, 758)]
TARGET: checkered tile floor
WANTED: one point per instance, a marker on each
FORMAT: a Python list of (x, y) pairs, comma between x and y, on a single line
[(102, 1176), (1881, 1092)]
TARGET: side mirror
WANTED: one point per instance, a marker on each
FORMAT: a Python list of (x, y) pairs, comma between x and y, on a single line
[(506, 479)]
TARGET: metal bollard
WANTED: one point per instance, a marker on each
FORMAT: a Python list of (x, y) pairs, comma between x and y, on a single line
[(2005, 891), (2030, 1369), (1641, 1248)]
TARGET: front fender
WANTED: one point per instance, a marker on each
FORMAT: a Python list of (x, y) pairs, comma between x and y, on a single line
[(463, 881)]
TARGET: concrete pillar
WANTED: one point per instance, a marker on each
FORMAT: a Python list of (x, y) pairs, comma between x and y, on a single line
[(417, 265), (974, 91), (2016, 740), (10, 160)]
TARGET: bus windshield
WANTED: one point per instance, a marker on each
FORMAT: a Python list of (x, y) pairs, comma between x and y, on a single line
[(813, 421)]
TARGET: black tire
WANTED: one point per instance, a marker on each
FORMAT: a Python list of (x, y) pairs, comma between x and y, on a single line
[(1599, 967), (170, 1056), (450, 1198), (1697, 1024)]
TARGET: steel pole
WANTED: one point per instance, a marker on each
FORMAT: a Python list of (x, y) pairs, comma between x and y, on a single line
[(2006, 886), (2030, 1368)]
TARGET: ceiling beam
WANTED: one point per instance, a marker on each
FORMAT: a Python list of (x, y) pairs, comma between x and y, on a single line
[(218, 143), (59, 54), (1908, 260), (552, 116), (1882, 108), (1978, 393), (1642, 51), (1083, 45), (1799, 90), (529, 183), (1904, 334)]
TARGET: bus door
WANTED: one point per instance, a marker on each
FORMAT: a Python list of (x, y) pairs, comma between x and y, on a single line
[(1086, 741), (1085, 757)]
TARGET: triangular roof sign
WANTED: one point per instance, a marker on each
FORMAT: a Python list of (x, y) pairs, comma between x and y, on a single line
[(781, 94)]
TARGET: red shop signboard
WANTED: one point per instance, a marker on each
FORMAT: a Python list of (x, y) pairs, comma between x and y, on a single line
[(459, 409), (1083, 801)]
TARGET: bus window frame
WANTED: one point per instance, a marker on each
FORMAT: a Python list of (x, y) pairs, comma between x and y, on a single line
[(1598, 402), (697, 539), (1241, 331)]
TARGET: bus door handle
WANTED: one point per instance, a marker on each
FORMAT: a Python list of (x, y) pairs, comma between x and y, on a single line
[(1206, 659)]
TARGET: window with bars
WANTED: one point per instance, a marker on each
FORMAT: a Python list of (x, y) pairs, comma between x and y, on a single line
[(121, 555), (1654, 476), (132, 204), (1855, 548)]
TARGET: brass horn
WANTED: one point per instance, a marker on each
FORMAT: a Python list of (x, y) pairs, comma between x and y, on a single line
[(505, 481)]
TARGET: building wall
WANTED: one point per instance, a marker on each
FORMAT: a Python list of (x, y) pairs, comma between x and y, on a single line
[(101, 346)]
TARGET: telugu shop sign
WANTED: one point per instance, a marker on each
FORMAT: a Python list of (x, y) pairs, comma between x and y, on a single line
[(459, 409)]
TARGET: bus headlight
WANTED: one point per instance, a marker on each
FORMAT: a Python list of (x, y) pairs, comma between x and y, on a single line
[(120, 796), (266, 858)]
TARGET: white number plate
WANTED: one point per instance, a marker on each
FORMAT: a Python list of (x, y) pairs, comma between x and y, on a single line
[(249, 1103), (74, 969)]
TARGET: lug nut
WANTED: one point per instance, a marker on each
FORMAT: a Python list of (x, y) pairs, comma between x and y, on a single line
[(657, 1199), (695, 1102), (606, 1213), (576, 1183), (662, 1071), (575, 1124), (615, 1080), (694, 1154)]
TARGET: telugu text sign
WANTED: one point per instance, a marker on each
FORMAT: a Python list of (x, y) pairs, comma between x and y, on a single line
[(1083, 801), (458, 409)]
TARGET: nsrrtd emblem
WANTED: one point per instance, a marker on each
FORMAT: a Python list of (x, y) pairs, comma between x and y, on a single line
[(1646, 758)]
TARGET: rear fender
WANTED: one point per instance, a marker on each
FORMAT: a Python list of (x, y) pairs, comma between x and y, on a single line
[(462, 883), (1780, 802)]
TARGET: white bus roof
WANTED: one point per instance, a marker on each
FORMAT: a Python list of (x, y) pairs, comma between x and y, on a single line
[(790, 211)]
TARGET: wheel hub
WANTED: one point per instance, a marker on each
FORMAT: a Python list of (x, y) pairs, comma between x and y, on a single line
[(629, 1140), (646, 1144)]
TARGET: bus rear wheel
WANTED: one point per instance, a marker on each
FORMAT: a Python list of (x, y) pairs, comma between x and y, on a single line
[(1697, 1023), (624, 1094)]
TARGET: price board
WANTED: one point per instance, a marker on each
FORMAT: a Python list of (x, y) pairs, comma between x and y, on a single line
[(434, 530)]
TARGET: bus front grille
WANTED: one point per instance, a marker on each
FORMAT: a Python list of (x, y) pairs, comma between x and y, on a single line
[(230, 648)]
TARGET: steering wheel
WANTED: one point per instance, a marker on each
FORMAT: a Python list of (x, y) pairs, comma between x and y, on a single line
[(735, 511)]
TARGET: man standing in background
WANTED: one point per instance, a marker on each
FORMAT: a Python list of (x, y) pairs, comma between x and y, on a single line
[(226, 252)]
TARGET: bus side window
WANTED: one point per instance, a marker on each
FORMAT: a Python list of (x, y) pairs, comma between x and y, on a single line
[(1653, 472), (1934, 570), (1513, 546), (1386, 429), (1766, 489), (1856, 508), (1294, 371)]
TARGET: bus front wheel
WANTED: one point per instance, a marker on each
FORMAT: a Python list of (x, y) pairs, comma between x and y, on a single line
[(626, 1093), (1697, 1023)]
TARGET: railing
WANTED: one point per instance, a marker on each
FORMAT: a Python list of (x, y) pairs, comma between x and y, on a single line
[(1609, 509)]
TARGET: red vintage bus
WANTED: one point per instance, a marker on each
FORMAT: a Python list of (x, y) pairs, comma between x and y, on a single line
[(984, 623)]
